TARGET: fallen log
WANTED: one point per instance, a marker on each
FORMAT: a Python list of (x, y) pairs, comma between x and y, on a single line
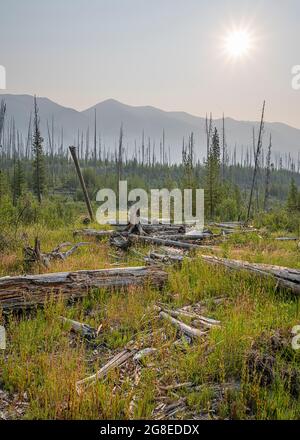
[(143, 353), (164, 242), (117, 240), (286, 278), (229, 225), (164, 258), (192, 332), (287, 238), (26, 291), (93, 233), (208, 322), (116, 361), (151, 229), (187, 237), (80, 328)]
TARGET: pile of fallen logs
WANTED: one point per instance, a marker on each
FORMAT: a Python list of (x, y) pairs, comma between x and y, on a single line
[(171, 235), (135, 354), (179, 237)]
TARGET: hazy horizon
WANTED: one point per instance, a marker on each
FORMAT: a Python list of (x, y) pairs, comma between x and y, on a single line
[(162, 54), (214, 117)]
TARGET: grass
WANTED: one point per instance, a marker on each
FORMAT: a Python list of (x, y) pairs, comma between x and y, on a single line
[(43, 361)]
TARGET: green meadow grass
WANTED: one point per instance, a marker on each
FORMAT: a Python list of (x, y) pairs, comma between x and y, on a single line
[(43, 361)]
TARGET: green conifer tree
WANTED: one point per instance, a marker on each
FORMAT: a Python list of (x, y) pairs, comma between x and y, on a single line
[(39, 177)]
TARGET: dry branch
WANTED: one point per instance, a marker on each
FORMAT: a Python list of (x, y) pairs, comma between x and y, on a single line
[(208, 322), (35, 255), (184, 328), (116, 361)]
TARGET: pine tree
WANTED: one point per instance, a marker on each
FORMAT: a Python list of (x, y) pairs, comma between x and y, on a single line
[(213, 165), (19, 181), (293, 197), (3, 186), (39, 178)]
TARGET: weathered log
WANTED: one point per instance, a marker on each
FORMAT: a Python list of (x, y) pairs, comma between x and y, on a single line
[(286, 278), (208, 322), (18, 292), (164, 258), (150, 229), (117, 240), (143, 353), (187, 237), (160, 241), (116, 361), (80, 328), (287, 239), (93, 233), (184, 328), (229, 225)]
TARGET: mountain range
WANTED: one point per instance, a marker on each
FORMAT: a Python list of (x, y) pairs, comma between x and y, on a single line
[(110, 114)]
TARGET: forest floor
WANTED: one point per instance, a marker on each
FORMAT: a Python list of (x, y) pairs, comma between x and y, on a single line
[(244, 368)]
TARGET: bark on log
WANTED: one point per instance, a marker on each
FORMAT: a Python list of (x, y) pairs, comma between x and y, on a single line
[(160, 241), (287, 238), (19, 292), (208, 322), (164, 258), (93, 233), (187, 237), (286, 278), (80, 328)]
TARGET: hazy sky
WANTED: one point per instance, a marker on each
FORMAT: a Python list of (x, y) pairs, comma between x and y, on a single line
[(165, 53)]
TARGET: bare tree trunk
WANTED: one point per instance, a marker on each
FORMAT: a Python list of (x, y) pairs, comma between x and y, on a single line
[(82, 182), (257, 153)]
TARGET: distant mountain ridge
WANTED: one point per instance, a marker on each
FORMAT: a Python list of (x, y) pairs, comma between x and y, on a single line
[(110, 114)]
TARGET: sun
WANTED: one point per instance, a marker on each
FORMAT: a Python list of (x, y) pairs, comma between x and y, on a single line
[(238, 43)]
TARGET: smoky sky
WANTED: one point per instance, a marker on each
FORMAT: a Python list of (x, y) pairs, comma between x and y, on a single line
[(164, 53)]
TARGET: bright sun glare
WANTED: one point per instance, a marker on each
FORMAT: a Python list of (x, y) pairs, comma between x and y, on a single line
[(237, 43)]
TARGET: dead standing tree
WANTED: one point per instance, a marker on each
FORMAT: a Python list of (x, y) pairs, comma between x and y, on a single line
[(268, 175), (2, 116), (208, 129), (82, 182), (119, 159), (256, 159)]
